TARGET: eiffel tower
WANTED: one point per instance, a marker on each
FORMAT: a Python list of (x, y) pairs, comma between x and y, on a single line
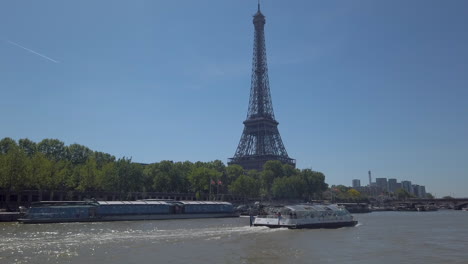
[(260, 140)]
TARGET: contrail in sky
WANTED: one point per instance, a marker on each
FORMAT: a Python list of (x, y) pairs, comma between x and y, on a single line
[(32, 51)]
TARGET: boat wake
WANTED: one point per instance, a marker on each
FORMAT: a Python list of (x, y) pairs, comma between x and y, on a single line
[(67, 242)]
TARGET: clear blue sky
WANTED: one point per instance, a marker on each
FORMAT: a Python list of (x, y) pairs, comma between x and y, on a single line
[(356, 85)]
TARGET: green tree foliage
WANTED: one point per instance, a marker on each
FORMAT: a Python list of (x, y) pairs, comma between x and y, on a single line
[(274, 166), (288, 187), (4, 176), (354, 194), (88, 176), (129, 175), (108, 178), (314, 183), (53, 149), (272, 169), (200, 179), (233, 172), (51, 165), (167, 176), (103, 158), (39, 170), (28, 146), (6, 144), (289, 170), (345, 194), (245, 186), (402, 194), (216, 165), (13, 170), (79, 154)]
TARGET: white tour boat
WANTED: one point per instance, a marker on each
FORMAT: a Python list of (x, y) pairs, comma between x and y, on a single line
[(305, 216)]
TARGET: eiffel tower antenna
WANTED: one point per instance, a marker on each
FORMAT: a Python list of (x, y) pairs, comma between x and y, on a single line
[(260, 140)]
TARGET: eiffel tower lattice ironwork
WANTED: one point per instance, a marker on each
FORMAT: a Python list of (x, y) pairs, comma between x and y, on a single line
[(260, 140)]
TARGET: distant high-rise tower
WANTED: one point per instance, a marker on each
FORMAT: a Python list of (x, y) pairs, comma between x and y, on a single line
[(356, 183), (370, 179), (260, 140), (392, 185), (382, 184), (407, 186)]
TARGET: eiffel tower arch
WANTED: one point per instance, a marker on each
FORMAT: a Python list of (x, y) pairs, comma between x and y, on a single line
[(260, 140)]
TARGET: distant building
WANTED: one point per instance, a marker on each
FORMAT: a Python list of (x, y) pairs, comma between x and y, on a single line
[(356, 183), (415, 189), (364, 190), (382, 183), (422, 190), (392, 185), (370, 179), (419, 191), (406, 185)]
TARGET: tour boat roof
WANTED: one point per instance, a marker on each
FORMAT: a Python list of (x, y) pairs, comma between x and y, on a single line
[(141, 202), (313, 207), (203, 202)]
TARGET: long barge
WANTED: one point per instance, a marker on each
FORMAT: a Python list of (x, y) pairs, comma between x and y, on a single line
[(94, 211)]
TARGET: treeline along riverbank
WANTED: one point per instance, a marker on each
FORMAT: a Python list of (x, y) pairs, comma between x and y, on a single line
[(57, 171)]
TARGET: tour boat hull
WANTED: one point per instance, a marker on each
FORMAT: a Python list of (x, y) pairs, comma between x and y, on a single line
[(305, 216), (313, 225)]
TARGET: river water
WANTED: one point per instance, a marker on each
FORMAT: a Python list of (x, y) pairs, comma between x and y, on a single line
[(380, 237)]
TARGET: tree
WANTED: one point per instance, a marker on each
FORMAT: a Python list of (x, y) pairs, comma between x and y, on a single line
[(402, 194), (63, 173), (275, 167), (254, 174), (28, 146), (354, 194), (314, 183), (39, 170), (103, 158), (129, 175), (13, 170), (245, 186), (3, 175), (216, 165), (6, 144), (200, 179), (232, 173), (288, 187), (165, 176), (89, 176), (79, 154), (53, 149), (108, 178), (289, 170)]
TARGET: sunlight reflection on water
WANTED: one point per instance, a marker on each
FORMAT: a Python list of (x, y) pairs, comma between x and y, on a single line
[(379, 237)]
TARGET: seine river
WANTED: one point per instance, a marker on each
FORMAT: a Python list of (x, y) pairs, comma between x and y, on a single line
[(380, 237)]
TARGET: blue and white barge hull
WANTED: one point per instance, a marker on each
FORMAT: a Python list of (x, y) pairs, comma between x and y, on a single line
[(94, 211)]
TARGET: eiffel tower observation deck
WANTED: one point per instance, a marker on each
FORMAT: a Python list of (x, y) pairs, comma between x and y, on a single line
[(260, 140)]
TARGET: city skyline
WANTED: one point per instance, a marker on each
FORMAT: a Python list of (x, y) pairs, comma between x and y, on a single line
[(375, 86)]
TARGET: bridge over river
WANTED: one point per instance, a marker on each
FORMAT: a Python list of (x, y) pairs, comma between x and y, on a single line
[(455, 203)]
